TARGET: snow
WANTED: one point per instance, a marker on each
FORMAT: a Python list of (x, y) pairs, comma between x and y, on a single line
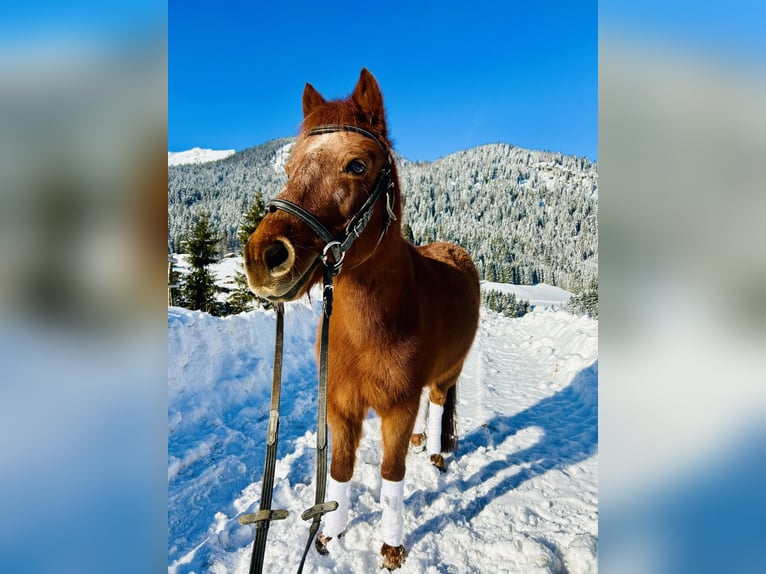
[(540, 295), (281, 157), (198, 155), (519, 495), (224, 270)]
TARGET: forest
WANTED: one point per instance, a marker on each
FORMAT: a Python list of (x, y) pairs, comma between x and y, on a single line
[(525, 216)]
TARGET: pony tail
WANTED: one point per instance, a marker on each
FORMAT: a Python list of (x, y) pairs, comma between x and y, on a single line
[(449, 430)]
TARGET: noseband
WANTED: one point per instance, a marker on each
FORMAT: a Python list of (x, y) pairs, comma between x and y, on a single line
[(338, 246)]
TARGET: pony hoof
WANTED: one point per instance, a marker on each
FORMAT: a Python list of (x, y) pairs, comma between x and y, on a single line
[(418, 442), (393, 556), (438, 461), (321, 543)]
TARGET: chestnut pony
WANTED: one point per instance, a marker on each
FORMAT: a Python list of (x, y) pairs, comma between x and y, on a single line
[(404, 317)]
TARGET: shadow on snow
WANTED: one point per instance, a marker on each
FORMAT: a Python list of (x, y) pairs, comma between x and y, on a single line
[(569, 423)]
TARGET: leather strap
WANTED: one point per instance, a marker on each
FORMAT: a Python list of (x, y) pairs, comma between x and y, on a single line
[(306, 217), (320, 506), (332, 128), (265, 515)]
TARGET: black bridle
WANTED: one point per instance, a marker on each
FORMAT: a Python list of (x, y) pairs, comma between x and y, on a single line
[(337, 247)]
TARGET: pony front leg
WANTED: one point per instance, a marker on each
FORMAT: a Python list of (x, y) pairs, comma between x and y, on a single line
[(345, 433), (392, 523), (396, 427)]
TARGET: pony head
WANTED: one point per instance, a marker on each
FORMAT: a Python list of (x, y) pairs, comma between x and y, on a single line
[(339, 158)]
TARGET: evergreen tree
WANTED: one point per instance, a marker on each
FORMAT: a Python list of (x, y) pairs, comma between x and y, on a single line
[(522, 308), (509, 307), (505, 303), (174, 282), (251, 219), (241, 299), (201, 245), (198, 288), (407, 233), (586, 302)]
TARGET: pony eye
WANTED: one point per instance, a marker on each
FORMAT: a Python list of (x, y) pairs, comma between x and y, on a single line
[(356, 167)]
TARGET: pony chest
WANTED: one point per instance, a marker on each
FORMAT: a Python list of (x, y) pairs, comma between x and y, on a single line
[(370, 367)]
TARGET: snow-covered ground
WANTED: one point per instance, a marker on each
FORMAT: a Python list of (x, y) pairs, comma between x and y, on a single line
[(519, 495), (198, 155), (540, 295)]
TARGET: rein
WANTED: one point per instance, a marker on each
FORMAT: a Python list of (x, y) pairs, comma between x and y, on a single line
[(265, 515), (337, 247)]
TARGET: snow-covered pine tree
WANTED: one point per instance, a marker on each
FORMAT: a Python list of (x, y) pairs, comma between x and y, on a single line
[(407, 233), (241, 299), (585, 302), (198, 287), (505, 303), (518, 211), (251, 219), (174, 282)]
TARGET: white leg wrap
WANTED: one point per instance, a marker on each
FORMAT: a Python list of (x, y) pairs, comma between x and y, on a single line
[(420, 421), (392, 501), (335, 522), (434, 442)]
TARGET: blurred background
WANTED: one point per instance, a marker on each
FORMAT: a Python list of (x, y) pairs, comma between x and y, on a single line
[(83, 123), (682, 150), (83, 270)]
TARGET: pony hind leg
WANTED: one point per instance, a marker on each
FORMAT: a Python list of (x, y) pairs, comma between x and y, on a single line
[(418, 439), (441, 434)]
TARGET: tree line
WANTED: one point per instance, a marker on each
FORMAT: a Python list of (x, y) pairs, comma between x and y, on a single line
[(525, 216)]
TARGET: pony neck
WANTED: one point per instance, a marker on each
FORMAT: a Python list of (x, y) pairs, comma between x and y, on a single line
[(382, 274)]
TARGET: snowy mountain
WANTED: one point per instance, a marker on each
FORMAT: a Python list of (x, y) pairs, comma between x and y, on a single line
[(519, 495), (197, 155), (525, 216)]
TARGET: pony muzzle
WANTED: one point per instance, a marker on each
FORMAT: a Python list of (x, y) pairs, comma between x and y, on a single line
[(279, 257)]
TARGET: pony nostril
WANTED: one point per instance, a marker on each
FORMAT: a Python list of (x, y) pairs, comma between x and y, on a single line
[(275, 255)]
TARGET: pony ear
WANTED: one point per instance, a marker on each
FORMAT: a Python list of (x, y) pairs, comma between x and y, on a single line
[(368, 97), (311, 99)]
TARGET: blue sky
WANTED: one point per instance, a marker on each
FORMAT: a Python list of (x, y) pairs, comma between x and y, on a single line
[(731, 32), (523, 73)]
